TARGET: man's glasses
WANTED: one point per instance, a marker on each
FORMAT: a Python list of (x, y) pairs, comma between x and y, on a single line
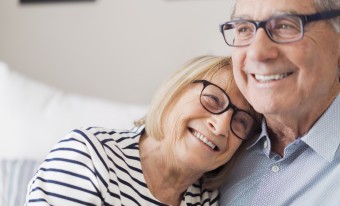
[(280, 29), (216, 101)]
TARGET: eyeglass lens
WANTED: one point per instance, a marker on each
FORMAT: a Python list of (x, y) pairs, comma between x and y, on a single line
[(213, 99), (280, 29), (242, 124), (216, 101)]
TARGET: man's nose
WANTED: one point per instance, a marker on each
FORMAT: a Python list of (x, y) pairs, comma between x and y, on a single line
[(262, 47)]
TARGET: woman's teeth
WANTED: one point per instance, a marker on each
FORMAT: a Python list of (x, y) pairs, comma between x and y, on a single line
[(204, 140), (268, 78)]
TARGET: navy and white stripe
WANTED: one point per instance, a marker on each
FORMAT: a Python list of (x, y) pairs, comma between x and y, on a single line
[(98, 166)]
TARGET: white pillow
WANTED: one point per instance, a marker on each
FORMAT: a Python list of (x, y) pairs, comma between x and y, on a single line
[(14, 178), (34, 116)]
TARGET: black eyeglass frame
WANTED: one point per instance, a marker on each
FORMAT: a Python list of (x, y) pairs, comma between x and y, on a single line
[(305, 19), (230, 105)]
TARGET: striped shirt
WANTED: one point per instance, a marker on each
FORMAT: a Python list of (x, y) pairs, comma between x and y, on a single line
[(98, 166)]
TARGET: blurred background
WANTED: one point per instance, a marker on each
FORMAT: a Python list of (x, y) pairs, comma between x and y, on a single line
[(112, 49)]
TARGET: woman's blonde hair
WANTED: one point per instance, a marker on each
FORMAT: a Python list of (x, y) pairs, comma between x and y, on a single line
[(197, 68)]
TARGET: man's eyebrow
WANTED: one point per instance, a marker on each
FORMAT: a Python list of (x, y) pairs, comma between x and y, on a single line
[(236, 17), (276, 13)]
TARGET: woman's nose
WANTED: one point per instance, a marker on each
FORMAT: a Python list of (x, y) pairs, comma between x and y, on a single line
[(220, 124)]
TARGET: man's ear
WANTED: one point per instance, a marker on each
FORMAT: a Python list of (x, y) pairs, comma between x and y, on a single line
[(339, 58), (339, 51)]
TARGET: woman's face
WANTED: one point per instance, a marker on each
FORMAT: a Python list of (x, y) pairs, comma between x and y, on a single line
[(191, 132)]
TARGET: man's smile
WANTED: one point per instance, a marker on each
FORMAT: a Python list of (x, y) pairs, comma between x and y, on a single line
[(269, 78)]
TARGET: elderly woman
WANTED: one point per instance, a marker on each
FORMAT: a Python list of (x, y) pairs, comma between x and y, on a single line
[(175, 156)]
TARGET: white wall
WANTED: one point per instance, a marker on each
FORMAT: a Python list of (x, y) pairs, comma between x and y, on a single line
[(113, 49)]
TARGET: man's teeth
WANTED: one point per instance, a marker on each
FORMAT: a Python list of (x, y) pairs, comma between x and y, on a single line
[(268, 78), (204, 139)]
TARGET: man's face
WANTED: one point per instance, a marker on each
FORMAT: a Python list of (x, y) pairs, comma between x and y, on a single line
[(287, 78)]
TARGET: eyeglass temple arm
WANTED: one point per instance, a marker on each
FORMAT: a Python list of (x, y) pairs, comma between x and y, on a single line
[(229, 26), (322, 15)]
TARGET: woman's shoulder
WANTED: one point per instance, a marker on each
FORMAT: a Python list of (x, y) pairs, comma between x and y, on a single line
[(107, 136), (106, 130), (103, 133)]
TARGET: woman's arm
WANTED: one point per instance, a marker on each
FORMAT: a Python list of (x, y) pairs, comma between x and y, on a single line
[(69, 176)]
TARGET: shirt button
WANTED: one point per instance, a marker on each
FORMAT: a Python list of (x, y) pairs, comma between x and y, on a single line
[(297, 141), (275, 168), (265, 144)]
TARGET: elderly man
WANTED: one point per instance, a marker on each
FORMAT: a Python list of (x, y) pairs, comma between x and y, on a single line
[(286, 58)]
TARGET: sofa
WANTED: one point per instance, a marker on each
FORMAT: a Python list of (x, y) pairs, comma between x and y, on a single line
[(35, 116)]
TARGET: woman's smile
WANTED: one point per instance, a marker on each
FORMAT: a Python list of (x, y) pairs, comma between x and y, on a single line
[(204, 139)]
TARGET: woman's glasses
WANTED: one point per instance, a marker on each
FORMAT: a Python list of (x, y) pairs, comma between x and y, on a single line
[(216, 101)]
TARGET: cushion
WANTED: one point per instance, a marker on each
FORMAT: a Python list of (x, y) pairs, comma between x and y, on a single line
[(35, 116), (14, 178)]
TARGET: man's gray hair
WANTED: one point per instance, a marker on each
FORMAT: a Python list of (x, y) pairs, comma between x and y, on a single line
[(328, 5), (321, 5)]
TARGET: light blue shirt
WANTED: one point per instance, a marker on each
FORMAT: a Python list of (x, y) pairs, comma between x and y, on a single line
[(308, 174)]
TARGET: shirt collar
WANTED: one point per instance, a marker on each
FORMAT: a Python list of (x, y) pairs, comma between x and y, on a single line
[(263, 134), (324, 136)]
